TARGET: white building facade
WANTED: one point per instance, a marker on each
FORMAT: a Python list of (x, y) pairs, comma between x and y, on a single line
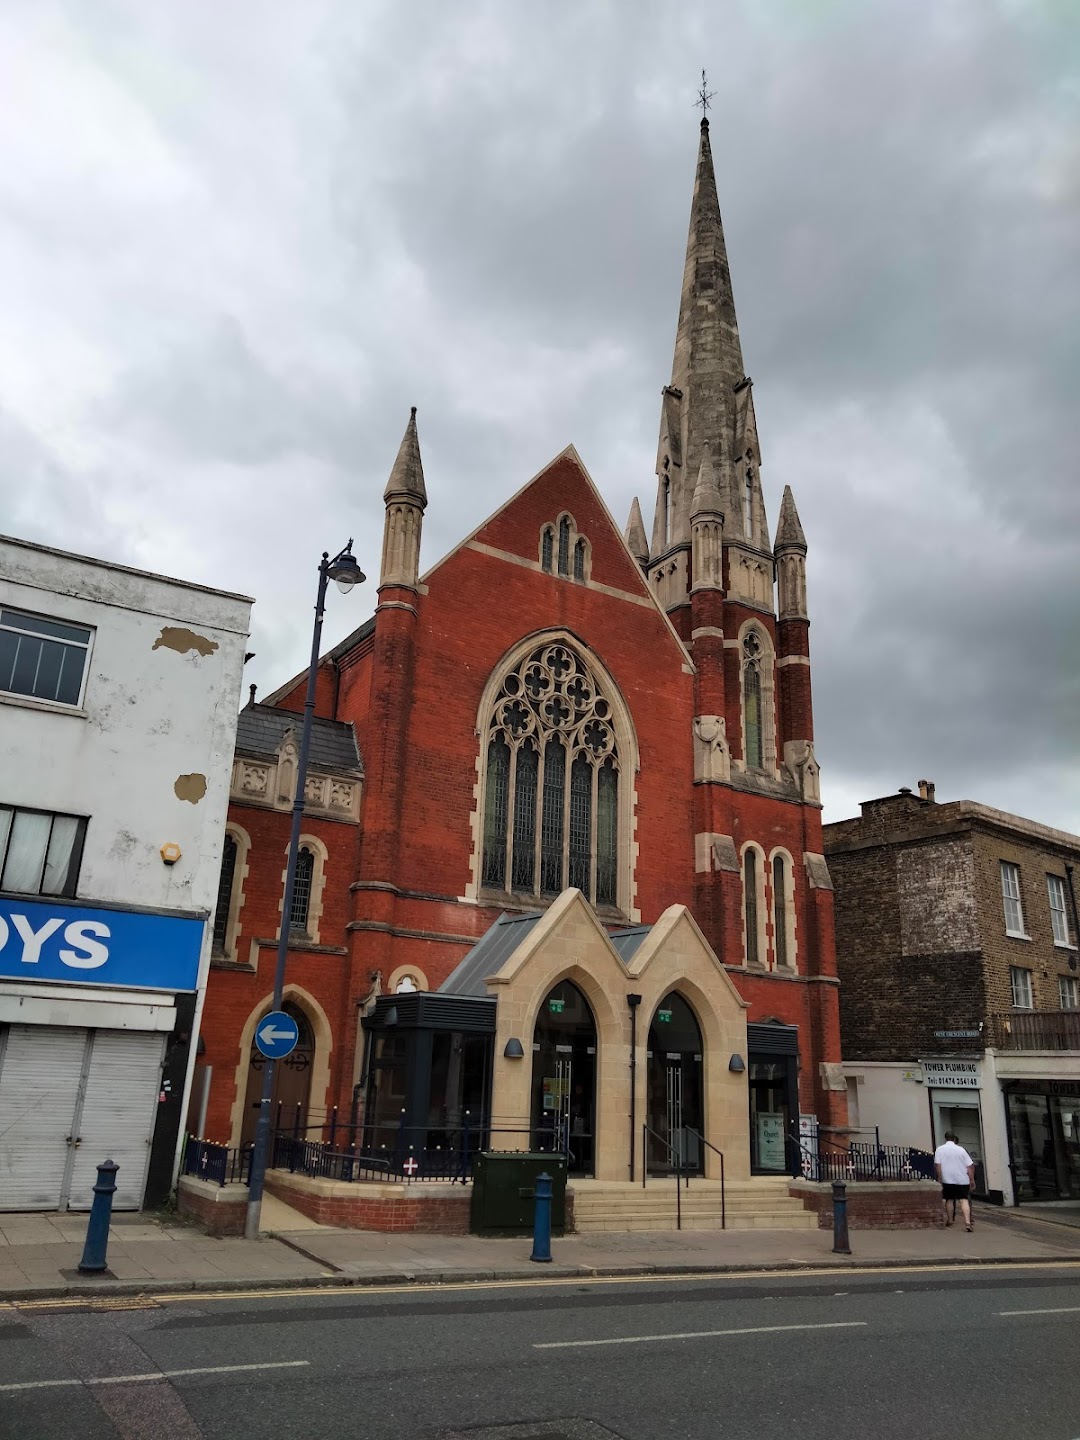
[(119, 693)]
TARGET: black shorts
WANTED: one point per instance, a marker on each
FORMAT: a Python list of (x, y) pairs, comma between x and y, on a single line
[(955, 1192)]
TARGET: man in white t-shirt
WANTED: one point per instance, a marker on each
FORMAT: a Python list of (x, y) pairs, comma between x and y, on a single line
[(956, 1174)]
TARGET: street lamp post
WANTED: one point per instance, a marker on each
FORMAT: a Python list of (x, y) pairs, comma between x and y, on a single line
[(346, 573)]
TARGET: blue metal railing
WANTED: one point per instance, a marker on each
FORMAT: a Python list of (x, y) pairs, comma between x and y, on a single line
[(861, 1160), (217, 1163)]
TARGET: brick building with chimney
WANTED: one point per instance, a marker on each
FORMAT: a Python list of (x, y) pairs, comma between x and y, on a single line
[(564, 845)]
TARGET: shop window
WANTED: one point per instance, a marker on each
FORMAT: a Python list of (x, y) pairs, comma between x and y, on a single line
[(40, 852), (1068, 992), (1020, 984), (1010, 896), (552, 786), (43, 659), (1059, 915)]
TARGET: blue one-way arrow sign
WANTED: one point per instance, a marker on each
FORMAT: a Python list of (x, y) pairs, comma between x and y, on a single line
[(276, 1035)]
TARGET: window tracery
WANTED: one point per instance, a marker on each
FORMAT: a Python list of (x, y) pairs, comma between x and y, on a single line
[(551, 802)]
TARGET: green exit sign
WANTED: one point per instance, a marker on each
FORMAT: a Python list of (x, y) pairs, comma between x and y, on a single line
[(556, 1006), (664, 1016)]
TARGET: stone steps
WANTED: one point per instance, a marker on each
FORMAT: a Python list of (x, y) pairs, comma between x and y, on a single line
[(750, 1205)]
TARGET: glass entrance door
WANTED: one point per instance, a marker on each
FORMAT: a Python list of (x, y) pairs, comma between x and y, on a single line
[(676, 1115), (770, 1116), (564, 1078)]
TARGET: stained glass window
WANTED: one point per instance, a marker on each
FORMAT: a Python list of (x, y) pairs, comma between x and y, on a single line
[(551, 834), (549, 708), (495, 812), (525, 776), (607, 830)]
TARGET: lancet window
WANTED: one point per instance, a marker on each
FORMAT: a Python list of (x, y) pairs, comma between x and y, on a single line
[(563, 550)]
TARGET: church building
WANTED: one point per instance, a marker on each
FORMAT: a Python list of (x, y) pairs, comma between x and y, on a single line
[(562, 876)]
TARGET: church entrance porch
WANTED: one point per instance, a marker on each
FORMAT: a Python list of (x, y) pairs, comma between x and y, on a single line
[(676, 1116), (563, 1105)]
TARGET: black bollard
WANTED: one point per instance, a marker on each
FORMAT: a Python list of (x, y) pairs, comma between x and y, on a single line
[(97, 1231), (541, 1250), (840, 1244)]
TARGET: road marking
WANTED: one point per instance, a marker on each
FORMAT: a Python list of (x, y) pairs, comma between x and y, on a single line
[(315, 1292), (697, 1335), (87, 1302), (1054, 1310), (156, 1375)]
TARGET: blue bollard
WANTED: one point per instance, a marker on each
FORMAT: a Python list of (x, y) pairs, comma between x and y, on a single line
[(541, 1250), (97, 1231), (840, 1244)]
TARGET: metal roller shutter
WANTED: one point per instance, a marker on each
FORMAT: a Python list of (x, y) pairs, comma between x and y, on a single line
[(118, 1115), (40, 1071)]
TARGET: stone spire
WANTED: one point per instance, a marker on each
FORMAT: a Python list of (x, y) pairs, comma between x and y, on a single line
[(405, 498), (790, 551), (407, 477), (699, 409), (789, 531), (635, 535)]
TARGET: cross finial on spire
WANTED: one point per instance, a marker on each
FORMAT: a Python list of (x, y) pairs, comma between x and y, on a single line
[(704, 96)]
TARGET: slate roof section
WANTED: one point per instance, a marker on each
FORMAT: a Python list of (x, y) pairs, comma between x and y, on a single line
[(260, 730), (626, 942), (489, 954)]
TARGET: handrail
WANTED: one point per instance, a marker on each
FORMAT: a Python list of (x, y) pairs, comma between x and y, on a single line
[(723, 1190), (647, 1130)]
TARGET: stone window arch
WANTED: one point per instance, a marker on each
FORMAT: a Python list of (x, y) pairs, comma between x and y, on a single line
[(230, 896), (557, 765), (757, 699), (406, 979), (754, 934), (547, 548), (782, 906), (310, 884)]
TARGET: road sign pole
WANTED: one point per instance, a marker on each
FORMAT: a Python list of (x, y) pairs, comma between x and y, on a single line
[(261, 1152)]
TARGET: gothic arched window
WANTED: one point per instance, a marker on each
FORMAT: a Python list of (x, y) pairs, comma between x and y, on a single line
[(564, 545), (547, 546), (224, 898), (301, 900), (579, 560), (783, 918), (551, 800), (751, 869), (753, 726)]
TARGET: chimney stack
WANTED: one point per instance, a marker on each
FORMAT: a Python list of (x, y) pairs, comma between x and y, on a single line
[(926, 791)]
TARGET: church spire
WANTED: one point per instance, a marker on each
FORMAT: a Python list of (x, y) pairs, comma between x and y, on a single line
[(407, 477), (699, 405)]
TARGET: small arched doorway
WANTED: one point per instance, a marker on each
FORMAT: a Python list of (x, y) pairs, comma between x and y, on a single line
[(292, 1082), (676, 1115), (564, 1077)]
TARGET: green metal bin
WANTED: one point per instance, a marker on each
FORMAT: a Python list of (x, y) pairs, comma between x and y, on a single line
[(504, 1187)]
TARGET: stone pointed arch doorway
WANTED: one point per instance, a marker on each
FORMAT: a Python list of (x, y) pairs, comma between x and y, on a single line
[(563, 1110), (292, 1082), (676, 1111)]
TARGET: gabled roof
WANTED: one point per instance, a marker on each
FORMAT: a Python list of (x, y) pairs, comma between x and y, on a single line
[(488, 954), (260, 729)]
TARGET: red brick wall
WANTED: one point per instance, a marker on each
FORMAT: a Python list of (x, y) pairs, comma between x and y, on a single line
[(910, 1205), (419, 1214)]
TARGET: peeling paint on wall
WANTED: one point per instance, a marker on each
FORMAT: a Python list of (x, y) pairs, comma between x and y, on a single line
[(190, 787), (174, 637)]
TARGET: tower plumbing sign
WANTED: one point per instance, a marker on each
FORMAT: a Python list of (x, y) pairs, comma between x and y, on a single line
[(952, 1074), (52, 941)]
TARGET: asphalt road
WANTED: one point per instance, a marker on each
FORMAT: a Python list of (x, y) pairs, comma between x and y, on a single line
[(990, 1354)]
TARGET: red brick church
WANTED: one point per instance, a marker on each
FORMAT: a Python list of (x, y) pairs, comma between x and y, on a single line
[(567, 773)]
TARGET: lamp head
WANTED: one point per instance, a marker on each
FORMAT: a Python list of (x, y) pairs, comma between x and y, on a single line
[(345, 572)]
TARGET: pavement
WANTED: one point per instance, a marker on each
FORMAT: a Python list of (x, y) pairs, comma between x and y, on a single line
[(39, 1253)]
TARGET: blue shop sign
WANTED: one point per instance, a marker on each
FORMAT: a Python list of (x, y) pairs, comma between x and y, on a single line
[(43, 940)]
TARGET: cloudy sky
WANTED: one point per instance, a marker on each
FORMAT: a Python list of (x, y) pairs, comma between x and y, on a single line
[(239, 240)]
